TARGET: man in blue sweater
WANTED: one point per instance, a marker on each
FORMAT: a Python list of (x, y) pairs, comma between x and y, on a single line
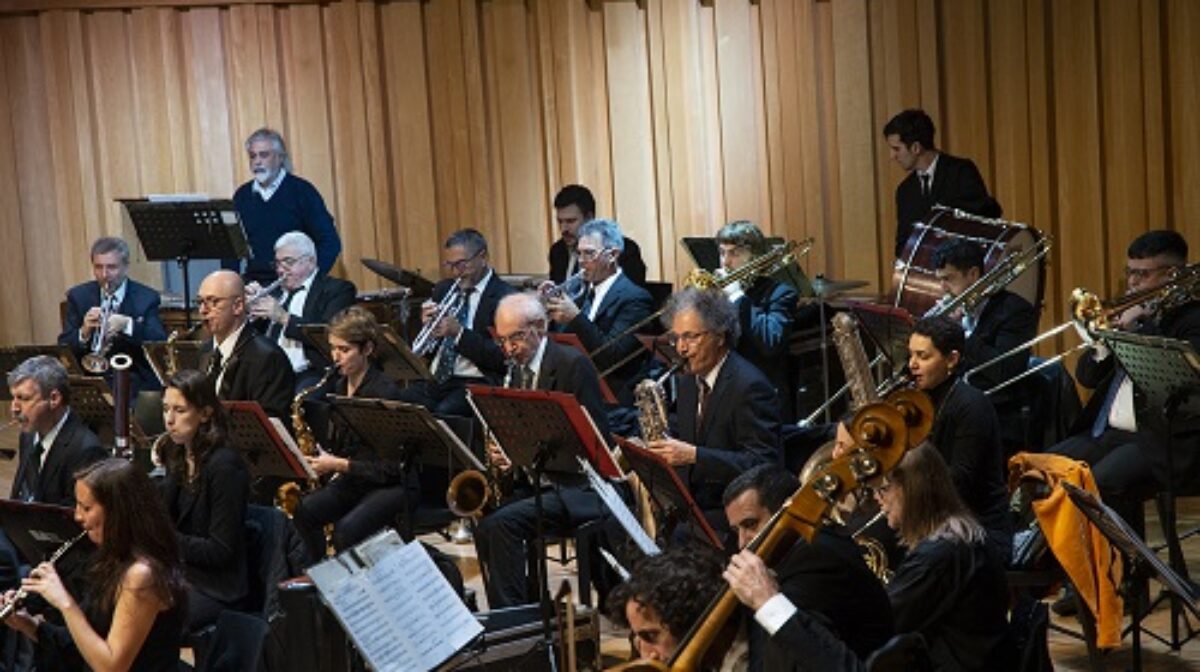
[(276, 202)]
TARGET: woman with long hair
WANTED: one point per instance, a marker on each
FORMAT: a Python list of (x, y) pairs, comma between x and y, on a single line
[(206, 490), (131, 615)]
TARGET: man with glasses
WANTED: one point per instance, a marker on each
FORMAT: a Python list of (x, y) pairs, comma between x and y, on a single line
[(132, 310), (766, 311), (537, 363), (608, 307), (466, 353), (574, 205), (243, 364), (728, 418), (277, 201), (305, 297)]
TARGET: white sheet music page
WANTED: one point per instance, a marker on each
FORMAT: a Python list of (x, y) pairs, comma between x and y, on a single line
[(608, 495)]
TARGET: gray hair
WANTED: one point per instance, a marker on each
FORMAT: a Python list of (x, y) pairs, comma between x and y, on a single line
[(713, 307), (272, 136), (109, 244), (525, 305), (607, 230), (47, 372), (298, 240), (469, 239)]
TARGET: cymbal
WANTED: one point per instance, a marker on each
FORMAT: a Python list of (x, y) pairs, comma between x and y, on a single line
[(385, 270), (824, 287)]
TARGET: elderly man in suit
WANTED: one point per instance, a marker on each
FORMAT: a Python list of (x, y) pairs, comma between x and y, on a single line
[(305, 297), (466, 354), (242, 363), (935, 177), (610, 304), (132, 310), (727, 411), (535, 362)]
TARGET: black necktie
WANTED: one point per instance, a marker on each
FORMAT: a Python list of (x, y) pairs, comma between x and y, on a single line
[(526, 377), (277, 328), (585, 305), (34, 473), (702, 386), (214, 364), (926, 187), (449, 352)]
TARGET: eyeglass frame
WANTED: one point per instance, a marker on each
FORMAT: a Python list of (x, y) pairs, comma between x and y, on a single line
[(689, 338), (460, 265), (1145, 273), (211, 302), (517, 336), (289, 262)]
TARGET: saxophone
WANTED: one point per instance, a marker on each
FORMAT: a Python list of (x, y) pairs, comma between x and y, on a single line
[(650, 399), (287, 496)]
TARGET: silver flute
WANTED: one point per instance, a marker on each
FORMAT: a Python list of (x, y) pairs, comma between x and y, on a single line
[(22, 594)]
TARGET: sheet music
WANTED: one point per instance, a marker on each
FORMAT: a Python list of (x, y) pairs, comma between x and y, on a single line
[(399, 609), (178, 198), (291, 446), (608, 494)]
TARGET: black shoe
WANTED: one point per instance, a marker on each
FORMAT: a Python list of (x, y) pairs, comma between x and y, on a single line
[(1067, 604)]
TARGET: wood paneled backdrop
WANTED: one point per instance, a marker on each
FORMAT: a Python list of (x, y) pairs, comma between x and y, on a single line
[(415, 118)]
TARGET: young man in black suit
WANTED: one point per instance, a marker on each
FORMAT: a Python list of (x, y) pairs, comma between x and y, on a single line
[(466, 354), (242, 363), (766, 312), (305, 297), (574, 206), (934, 176), (535, 362), (997, 326), (727, 411), (610, 304), (827, 578), (132, 313)]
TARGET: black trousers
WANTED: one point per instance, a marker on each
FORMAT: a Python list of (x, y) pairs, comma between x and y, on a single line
[(1119, 464), (448, 398), (357, 508)]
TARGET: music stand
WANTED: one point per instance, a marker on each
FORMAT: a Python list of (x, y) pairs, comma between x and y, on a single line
[(668, 491), (888, 328), (394, 357), (12, 356), (1142, 561), (183, 230), (38, 530), (265, 443), (92, 401), (572, 341), (187, 356)]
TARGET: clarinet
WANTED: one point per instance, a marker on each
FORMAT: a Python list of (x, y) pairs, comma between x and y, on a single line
[(22, 594)]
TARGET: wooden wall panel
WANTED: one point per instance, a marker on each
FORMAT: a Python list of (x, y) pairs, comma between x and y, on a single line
[(417, 117)]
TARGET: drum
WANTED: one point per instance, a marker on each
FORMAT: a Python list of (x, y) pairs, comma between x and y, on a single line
[(915, 279), (395, 306)]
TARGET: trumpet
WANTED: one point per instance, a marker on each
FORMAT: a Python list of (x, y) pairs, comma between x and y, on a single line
[(22, 594), (425, 343), (264, 292), (572, 288), (96, 361)]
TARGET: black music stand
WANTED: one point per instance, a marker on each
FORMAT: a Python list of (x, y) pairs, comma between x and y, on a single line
[(669, 493), (400, 432), (1143, 562), (543, 431), (38, 530), (1167, 372), (265, 443), (92, 401), (182, 230), (888, 328), (12, 356), (397, 360)]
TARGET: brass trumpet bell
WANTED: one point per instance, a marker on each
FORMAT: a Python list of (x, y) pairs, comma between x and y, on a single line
[(468, 493)]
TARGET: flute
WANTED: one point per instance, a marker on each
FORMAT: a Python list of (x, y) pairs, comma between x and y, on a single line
[(22, 594)]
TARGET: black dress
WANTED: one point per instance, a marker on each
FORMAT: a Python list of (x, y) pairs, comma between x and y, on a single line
[(56, 649)]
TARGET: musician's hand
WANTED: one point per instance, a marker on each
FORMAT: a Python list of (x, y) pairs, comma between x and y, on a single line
[(269, 308), (545, 287), (1133, 316), (119, 324), (734, 291), (327, 463), (20, 620), (750, 580), (677, 453), (449, 327), (561, 309), (44, 581), (91, 322), (428, 310), (497, 457)]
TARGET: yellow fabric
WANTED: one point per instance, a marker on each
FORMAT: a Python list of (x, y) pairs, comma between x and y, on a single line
[(1084, 553)]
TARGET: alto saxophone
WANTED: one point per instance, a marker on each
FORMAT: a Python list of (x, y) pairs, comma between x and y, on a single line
[(650, 399), (287, 496)]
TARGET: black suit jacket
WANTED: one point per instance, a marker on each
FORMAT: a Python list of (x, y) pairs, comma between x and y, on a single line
[(74, 448), (1006, 321), (565, 369), (740, 429), (326, 298), (624, 305), (258, 370), (830, 582), (211, 524), (141, 304), (630, 261), (363, 464), (476, 342), (766, 312), (956, 184)]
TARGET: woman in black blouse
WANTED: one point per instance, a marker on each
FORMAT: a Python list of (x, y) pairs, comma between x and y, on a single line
[(131, 613), (206, 490), (363, 493)]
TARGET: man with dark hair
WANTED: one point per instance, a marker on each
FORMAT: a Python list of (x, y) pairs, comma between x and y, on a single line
[(466, 353), (277, 201), (726, 409), (766, 310), (131, 307), (609, 306), (828, 578), (574, 206), (935, 178), (995, 327)]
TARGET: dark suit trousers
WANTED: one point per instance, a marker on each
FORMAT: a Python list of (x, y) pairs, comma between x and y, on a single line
[(356, 508), (501, 538), (1119, 465), (448, 398)]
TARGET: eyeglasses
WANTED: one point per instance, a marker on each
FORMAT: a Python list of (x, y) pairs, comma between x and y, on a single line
[(687, 338), (288, 262), (461, 265), (515, 338), (589, 255), (1143, 273), (210, 302)]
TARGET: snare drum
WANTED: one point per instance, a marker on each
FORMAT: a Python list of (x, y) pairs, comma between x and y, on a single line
[(915, 279)]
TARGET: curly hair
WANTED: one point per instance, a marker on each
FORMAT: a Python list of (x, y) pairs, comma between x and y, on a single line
[(199, 393), (678, 584), (714, 308)]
